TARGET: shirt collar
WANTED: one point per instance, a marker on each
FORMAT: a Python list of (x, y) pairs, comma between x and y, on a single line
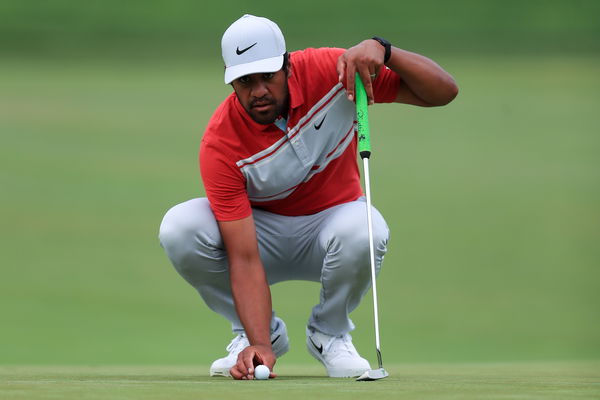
[(296, 97)]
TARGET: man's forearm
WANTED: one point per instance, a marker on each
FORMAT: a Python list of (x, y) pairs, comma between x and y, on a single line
[(252, 298), (426, 79), (251, 294)]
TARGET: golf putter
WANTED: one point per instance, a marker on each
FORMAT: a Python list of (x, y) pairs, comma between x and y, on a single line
[(364, 149)]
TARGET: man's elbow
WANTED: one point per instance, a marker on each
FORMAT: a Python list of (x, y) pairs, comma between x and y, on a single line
[(446, 94)]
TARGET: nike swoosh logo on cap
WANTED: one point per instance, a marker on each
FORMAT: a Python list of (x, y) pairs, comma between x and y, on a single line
[(319, 349), (317, 127), (274, 340), (240, 52)]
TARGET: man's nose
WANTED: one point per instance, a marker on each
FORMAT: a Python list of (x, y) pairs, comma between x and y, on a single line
[(259, 89)]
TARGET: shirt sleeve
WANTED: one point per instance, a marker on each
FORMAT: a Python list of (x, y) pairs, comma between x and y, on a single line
[(224, 184), (386, 86)]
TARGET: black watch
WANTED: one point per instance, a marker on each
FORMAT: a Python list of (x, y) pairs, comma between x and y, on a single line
[(388, 48)]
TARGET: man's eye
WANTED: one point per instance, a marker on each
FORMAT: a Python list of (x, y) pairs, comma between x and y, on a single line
[(269, 75), (244, 79)]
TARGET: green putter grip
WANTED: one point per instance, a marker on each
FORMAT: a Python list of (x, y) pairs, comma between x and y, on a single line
[(362, 117)]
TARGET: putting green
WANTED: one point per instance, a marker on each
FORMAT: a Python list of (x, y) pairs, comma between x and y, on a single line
[(516, 381)]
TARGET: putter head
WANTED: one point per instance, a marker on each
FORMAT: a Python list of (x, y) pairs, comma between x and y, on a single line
[(373, 375)]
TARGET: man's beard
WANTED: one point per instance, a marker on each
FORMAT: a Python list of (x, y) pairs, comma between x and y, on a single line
[(268, 116)]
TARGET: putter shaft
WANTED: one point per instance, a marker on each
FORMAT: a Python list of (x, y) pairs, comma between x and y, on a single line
[(372, 259)]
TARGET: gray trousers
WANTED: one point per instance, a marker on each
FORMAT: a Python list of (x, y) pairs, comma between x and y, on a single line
[(330, 247)]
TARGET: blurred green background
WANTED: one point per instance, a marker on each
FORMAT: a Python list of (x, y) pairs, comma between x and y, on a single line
[(493, 201)]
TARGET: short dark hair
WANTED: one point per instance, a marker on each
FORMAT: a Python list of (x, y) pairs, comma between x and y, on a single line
[(286, 62)]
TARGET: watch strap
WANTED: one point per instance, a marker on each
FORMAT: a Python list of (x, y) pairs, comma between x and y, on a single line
[(387, 45)]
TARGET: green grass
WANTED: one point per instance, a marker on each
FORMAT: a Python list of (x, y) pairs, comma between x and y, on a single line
[(174, 27), (518, 381), (492, 202)]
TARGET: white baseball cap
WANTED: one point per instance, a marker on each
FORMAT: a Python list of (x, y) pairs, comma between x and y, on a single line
[(252, 45)]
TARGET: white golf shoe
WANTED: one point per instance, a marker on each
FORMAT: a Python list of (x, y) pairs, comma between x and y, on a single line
[(279, 341), (337, 354)]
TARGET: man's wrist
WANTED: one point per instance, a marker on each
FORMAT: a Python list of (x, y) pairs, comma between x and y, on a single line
[(386, 45), (266, 344)]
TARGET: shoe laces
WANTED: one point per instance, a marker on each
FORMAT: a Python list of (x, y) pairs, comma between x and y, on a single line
[(342, 343), (239, 343)]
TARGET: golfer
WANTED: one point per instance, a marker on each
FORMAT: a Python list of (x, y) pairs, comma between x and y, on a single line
[(284, 201)]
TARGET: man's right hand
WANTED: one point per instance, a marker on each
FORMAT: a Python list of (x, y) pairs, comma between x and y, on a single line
[(249, 358)]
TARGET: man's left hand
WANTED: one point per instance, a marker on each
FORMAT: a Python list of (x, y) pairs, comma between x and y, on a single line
[(366, 58)]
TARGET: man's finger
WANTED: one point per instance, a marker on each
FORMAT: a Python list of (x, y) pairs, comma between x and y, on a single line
[(350, 71), (235, 374), (341, 68), (249, 365), (240, 365), (372, 73), (365, 76)]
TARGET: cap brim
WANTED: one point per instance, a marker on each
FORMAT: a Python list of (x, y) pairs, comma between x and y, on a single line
[(266, 65)]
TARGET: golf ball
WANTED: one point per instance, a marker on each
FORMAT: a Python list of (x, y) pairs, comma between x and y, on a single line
[(261, 372)]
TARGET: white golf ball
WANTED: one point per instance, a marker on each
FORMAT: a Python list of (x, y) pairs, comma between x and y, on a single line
[(261, 372)]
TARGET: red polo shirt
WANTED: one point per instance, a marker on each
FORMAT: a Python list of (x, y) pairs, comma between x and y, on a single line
[(307, 168)]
